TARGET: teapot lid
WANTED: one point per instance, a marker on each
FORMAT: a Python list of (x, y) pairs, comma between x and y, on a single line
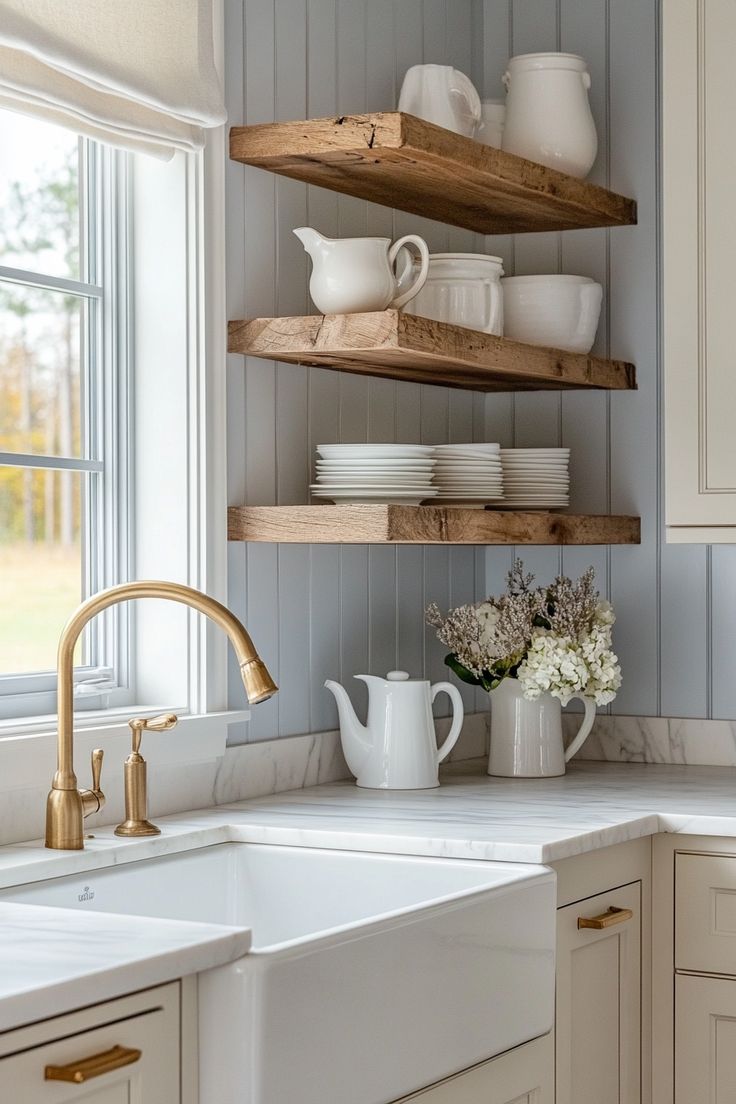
[(397, 676)]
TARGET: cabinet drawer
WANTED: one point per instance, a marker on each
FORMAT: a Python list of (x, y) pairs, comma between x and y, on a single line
[(521, 1076), (705, 1040), (130, 1054), (705, 913)]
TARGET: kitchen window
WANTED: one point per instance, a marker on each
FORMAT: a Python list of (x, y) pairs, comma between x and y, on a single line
[(64, 394), (112, 422)]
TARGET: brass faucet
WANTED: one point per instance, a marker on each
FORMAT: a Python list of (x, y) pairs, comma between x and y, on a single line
[(67, 806)]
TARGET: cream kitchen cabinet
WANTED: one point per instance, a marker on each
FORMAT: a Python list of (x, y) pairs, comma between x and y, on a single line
[(699, 244), (694, 1028), (599, 999), (125, 1051), (603, 972), (521, 1076), (705, 1040), (705, 1006)]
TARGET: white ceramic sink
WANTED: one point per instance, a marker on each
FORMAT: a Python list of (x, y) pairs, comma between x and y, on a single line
[(370, 975)]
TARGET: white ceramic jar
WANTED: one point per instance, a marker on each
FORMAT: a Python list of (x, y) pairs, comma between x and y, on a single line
[(462, 288), (492, 118), (548, 117)]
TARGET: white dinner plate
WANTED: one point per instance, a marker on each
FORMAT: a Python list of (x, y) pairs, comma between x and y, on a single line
[(356, 485), (465, 466), (383, 452), (535, 465), (376, 465), (384, 498), (369, 477)]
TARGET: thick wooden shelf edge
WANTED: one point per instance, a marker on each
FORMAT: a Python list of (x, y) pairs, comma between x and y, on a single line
[(395, 524), (401, 346), (401, 161)]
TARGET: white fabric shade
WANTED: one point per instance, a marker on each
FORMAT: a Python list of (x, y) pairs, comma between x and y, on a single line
[(139, 74)]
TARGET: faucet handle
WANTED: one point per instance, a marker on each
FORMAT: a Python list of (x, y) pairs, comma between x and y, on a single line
[(97, 757), (94, 799), (161, 723)]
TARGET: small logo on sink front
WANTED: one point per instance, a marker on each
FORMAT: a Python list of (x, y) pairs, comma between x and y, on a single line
[(87, 895)]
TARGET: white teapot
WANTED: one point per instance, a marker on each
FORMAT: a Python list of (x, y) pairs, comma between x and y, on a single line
[(397, 748), (357, 274)]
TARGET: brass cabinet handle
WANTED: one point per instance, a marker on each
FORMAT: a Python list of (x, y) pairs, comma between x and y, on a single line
[(606, 919), (106, 1062)]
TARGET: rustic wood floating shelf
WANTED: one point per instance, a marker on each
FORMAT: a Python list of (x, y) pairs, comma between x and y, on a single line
[(401, 161), (419, 350), (389, 524)]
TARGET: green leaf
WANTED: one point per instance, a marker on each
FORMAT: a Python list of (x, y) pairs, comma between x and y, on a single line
[(462, 672)]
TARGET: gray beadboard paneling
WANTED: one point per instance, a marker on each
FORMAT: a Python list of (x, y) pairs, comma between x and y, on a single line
[(319, 612)]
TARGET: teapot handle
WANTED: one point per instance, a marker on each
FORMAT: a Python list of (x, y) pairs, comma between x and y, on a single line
[(457, 716), (421, 277), (584, 730)]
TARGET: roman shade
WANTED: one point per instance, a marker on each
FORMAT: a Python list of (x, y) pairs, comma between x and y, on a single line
[(139, 74)]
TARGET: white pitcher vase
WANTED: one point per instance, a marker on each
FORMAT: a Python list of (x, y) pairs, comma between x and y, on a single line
[(526, 736)]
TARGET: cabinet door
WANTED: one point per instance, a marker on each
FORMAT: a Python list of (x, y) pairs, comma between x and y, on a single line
[(521, 1076), (705, 1040), (598, 1022), (151, 1039), (699, 243)]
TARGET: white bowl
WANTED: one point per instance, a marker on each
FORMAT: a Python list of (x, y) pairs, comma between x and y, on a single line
[(558, 311)]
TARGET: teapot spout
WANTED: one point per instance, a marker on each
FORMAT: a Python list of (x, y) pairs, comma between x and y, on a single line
[(354, 736), (311, 239)]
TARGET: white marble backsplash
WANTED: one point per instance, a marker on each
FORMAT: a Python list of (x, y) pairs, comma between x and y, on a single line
[(295, 762), (657, 740), (249, 770)]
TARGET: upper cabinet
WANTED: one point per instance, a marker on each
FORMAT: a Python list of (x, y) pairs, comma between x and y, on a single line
[(699, 245)]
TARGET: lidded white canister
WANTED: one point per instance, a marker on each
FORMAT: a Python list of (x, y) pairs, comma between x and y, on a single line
[(548, 116), (464, 289)]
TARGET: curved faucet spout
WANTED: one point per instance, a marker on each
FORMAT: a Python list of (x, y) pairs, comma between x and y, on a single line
[(65, 812)]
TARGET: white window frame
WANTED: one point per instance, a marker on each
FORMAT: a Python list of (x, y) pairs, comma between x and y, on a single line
[(105, 390), (193, 679)]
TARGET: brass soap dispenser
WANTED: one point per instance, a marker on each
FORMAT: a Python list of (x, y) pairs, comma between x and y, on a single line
[(136, 821)]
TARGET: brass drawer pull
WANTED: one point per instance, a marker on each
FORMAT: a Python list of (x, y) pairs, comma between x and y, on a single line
[(106, 1062), (607, 919)]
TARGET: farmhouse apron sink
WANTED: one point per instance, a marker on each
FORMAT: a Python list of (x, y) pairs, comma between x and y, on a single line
[(370, 975)]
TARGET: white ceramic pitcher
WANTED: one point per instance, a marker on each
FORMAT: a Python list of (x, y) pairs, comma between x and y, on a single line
[(526, 736), (441, 95), (548, 117), (397, 748), (358, 274)]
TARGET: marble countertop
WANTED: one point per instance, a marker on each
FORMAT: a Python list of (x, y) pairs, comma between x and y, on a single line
[(53, 960), (510, 820)]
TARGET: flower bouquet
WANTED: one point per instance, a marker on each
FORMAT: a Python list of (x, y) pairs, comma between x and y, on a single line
[(543, 645)]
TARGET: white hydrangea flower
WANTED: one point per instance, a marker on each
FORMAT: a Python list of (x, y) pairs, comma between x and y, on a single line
[(564, 668)]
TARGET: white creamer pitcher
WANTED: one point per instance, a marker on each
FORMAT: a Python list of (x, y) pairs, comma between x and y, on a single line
[(359, 274), (548, 117), (441, 95), (397, 748), (526, 736)]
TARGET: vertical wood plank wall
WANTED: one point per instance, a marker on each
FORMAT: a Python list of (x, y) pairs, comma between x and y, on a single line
[(319, 612)]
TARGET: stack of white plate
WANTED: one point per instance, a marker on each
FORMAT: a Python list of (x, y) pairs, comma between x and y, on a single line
[(536, 478), (468, 475), (374, 473)]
